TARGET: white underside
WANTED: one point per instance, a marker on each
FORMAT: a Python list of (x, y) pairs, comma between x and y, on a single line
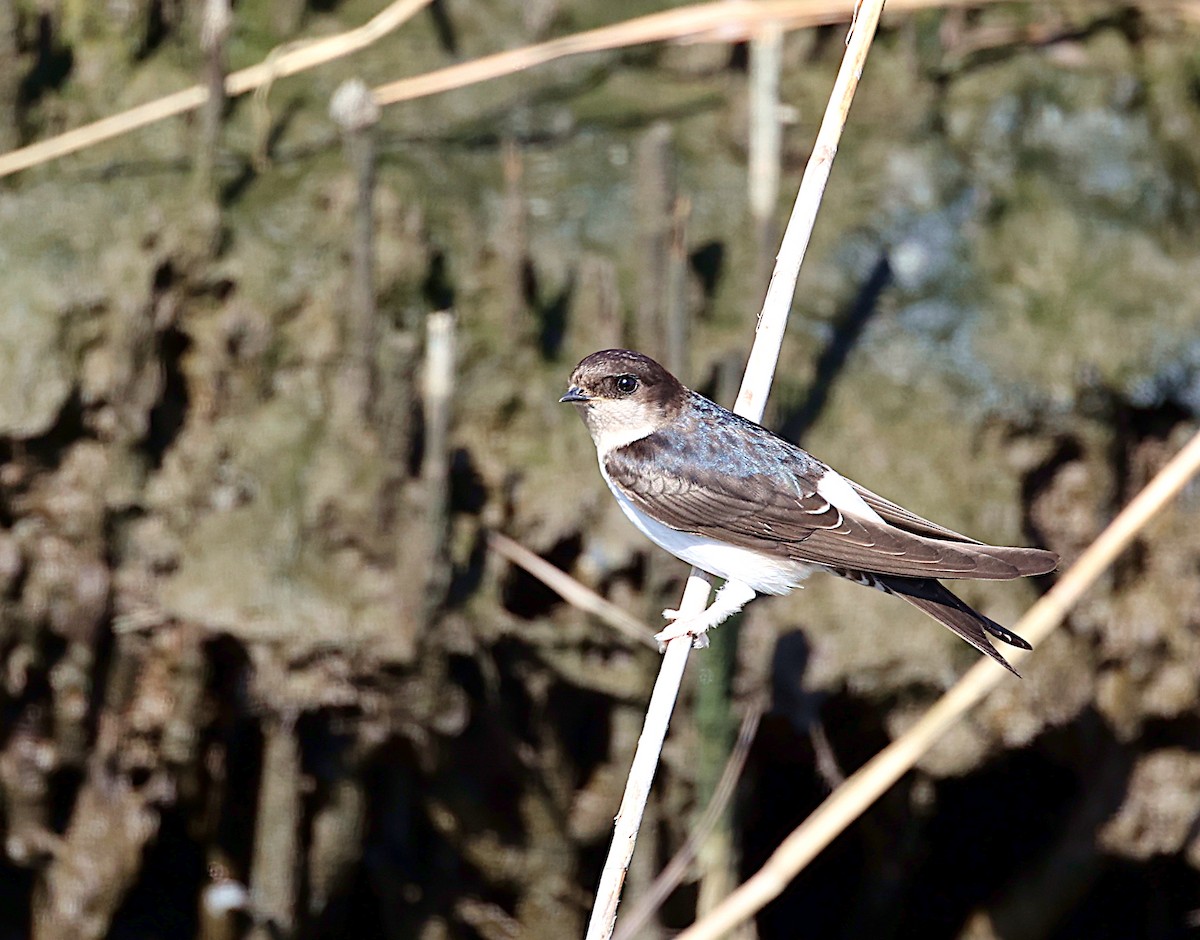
[(764, 574), (745, 571)]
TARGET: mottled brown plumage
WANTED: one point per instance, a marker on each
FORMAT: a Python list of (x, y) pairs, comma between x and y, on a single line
[(727, 495)]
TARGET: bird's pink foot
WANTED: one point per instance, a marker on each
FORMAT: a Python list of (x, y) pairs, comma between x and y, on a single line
[(695, 627)]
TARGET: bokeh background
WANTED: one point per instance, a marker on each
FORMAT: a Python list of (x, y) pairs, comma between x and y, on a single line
[(268, 381)]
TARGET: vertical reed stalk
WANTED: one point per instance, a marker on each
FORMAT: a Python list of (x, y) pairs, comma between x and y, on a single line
[(354, 110), (275, 866), (435, 470), (756, 384), (766, 140), (215, 23)]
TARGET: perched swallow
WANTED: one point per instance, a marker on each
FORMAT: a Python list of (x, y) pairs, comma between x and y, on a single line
[(726, 495)]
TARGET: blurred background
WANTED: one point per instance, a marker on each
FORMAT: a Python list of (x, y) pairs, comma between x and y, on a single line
[(275, 368)]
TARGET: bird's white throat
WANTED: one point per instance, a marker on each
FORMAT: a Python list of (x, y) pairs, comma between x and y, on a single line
[(614, 424)]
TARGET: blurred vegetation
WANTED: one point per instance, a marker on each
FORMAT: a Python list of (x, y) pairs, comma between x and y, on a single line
[(259, 674)]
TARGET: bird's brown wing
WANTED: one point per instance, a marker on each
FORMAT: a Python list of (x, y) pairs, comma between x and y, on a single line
[(782, 514), (907, 519)]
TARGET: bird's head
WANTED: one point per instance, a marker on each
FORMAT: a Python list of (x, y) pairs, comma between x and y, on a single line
[(623, 396)]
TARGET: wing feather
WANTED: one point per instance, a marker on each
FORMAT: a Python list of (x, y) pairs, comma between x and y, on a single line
[(780, 513), (907, 519)]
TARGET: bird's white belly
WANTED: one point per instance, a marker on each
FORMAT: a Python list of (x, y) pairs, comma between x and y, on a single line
[(764, 574)]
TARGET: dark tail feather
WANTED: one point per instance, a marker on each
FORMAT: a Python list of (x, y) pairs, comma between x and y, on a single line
[(930, 596)]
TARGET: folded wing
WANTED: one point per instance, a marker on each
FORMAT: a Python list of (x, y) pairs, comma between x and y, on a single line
[(780, 512)]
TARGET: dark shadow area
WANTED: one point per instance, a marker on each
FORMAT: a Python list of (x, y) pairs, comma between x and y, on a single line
[(16, 892), (162, 902), (739, 57), (70, 427), (468, 494), (52, 64), (552, 316), (782, 786), (468, 491), (847, 331), (1155, 899), (1066, 449), (235, 728), (1133, 426), (1032, 816), (708, 264), (1016, 839), (480, 779), (169, 413), (468, 576), (235, 187), (410, 870), (438, 287), (790, 698), (156, 26), (525, 596), (447, 35)]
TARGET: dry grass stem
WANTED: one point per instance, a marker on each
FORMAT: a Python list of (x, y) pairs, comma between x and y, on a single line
[(870, 782), (641, 771), (298, 59), (437, 405), (729, 21), (760, 370), (766, 129), (756, 384), (275, 868), (675, 870), (570, 590)]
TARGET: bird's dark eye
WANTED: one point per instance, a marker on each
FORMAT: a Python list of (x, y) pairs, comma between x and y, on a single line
[(626, 384)]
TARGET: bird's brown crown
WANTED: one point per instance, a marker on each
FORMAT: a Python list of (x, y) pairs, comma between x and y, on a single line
[(622, 374)]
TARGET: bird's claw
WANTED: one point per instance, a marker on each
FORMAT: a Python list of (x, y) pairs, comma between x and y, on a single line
[(681, 627)]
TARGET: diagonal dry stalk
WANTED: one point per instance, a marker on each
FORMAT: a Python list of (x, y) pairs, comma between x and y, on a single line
[(295, 57), (723, 21), (752, 397), (850, 800), (720, 21), (570, 590)]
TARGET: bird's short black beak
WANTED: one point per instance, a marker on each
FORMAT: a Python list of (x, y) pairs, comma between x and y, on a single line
[(575, 394)]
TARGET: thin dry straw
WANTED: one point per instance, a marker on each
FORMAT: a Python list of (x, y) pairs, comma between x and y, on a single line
[(870, 782), (645, 762), (753, 395), (736, 19), (725, 21), (676, 870), (298, 58), (772, 321), (570, 590)]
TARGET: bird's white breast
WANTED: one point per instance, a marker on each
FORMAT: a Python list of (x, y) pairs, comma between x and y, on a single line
[(765, 574)]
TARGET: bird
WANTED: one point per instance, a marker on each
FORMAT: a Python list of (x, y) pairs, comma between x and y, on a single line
[(732, 498)]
